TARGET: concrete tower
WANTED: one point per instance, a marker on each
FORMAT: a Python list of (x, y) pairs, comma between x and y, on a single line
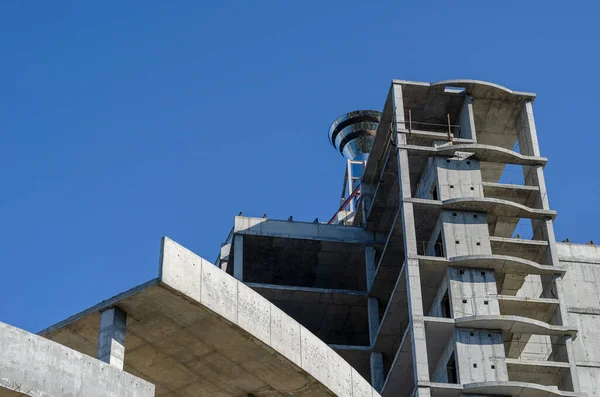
[(463, 304)]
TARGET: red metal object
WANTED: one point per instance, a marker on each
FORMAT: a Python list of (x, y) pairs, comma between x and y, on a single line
[(355, 193)]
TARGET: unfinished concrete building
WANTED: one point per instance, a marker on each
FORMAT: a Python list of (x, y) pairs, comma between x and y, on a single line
[(439, 275)]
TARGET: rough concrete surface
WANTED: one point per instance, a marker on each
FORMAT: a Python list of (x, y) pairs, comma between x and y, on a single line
[(31, 365)]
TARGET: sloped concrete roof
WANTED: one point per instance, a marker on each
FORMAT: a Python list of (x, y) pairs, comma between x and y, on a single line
[(197, 331)]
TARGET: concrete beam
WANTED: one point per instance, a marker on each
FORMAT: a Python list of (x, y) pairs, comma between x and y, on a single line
[(111, 338), (370, 266), (373, 314)]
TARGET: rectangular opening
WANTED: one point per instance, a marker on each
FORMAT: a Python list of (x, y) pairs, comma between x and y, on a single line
[(453, 90), (511, 174), (446, 306), (451, 370)]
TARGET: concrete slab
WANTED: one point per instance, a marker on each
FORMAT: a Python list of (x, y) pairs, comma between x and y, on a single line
[(484, 153), (547, 373), (197, 331), (514, 325), (532, 250), (541, 309), (522, 194), (499, 388), (492, 206), (305, 230)]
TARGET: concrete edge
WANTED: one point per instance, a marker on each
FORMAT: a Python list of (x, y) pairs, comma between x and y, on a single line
[(105, 304)]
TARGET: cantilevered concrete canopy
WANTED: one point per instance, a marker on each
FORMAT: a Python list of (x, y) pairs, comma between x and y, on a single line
[(196, 331)]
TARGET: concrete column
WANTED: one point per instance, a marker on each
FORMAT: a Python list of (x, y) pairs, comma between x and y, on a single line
[(544, 229), (422, 391), (238, 257), (377, 378), (224, 256), (467, 120), (111, 338), (371, 267), (373, 315), (413, 278)]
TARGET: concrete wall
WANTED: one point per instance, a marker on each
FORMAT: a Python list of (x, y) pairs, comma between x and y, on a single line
[(473, 291), (465, 233), (480, 356), (35, 366), (532, 287), (458, 178), (581, 289), (427, 181)]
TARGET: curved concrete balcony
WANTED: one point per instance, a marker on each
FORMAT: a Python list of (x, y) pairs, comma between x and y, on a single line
[(514, 325), (499, 263), (492, 206), (487, 153), (439, 331), (428, 211), (497, 207), (195, 330), (499, 388), (518, 268)]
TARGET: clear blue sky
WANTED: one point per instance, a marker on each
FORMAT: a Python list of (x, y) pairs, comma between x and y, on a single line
[(122, 122)]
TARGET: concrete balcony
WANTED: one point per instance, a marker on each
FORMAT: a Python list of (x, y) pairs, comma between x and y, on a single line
[(485, 153), (520, 194), (502, 215), (499, 388), (533, 250), (436, 267), (540, 309)]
